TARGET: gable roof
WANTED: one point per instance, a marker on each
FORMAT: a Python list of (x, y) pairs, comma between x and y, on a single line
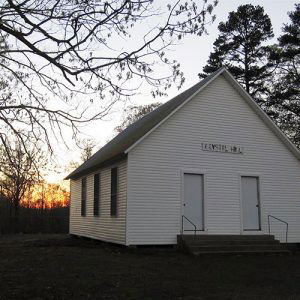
[(118, 147)]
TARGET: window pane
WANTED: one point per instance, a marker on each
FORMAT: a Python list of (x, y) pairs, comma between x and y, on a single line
[(114, 192), (83, 196), (96, 194)]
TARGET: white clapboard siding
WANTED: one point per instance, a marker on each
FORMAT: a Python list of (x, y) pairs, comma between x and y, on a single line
[(218, 114), (103, 227)]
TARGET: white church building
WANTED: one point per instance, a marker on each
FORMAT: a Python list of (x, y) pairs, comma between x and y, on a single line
[(207, 162)]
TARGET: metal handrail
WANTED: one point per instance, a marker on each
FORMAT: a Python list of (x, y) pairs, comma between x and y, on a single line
[(184, 217), (286, 223)]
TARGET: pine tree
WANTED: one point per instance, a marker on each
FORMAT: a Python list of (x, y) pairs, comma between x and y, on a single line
[(240, 48), (284, 100)]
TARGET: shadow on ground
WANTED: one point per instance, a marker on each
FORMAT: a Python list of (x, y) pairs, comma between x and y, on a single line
[(60, 267)]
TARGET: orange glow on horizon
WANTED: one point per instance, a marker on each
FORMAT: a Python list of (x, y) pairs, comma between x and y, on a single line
[(46, 196)]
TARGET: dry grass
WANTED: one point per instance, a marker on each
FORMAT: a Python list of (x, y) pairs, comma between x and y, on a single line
[(58, 267)]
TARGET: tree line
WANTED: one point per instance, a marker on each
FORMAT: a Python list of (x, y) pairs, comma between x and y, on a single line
[(27, 202)]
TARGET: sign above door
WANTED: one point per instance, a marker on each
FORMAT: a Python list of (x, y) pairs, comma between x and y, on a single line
[(224, 148)]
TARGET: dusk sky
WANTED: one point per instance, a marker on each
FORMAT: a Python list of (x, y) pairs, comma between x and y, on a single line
[(192, 54)]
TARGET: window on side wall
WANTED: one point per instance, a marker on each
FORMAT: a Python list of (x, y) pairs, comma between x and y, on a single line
[(114, 192), (83, 196), (96, 194)]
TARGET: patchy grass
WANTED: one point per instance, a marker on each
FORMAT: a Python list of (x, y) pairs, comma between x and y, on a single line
[(59, 267)]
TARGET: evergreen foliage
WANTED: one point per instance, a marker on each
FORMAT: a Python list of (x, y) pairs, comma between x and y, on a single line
[(284, 101), (240, 48)]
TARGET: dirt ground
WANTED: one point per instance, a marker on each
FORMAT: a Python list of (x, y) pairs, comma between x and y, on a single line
[(60, 267)]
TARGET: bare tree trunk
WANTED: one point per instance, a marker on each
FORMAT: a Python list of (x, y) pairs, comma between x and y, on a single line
[(247, 84), (11, 219), (16, 216)]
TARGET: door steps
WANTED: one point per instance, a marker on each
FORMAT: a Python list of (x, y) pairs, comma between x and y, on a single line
[(230, 244)]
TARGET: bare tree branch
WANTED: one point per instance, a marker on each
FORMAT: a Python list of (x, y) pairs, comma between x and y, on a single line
[(66, 50)]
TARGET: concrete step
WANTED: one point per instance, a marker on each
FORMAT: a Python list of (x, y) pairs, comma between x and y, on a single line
[(225, 237), (192, 242), (243, 252), (225, 244), (221, 247)]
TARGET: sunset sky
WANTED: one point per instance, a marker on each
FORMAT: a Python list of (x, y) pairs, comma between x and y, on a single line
[(192, 54)]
